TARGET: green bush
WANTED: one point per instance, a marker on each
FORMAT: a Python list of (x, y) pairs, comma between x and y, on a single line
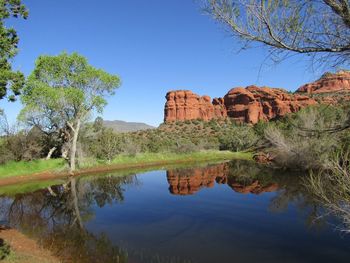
[(238, 138), (305, 140)]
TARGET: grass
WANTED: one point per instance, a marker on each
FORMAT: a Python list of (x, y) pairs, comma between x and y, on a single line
[(13, 169), (25, 168), (8, 255)]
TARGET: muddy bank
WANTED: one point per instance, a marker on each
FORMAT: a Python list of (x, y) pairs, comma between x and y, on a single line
[(23, 249)]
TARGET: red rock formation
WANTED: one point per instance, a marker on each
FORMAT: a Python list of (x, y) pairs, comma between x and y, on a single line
[(249, 105), (328, 83), (185, 105), (253, 104), (190, 181)]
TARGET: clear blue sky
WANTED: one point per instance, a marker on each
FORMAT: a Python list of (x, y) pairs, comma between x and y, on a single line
[(154, 46)]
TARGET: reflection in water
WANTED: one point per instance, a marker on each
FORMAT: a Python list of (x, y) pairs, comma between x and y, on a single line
[(190, 181), (58, 216)]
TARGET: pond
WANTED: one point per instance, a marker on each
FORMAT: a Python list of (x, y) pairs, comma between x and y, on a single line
[(224, 212)]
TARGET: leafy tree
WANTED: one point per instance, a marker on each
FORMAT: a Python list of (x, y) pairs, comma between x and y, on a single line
[(98, 124), (9, 79), (318, 28), (108, 145), (62, 92)]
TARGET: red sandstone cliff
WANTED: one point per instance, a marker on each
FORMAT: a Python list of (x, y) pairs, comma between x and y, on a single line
[(253, 104), (249, 105), (185, 105), (328, 83)]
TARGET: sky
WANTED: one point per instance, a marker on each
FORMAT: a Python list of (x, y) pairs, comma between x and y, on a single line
[(154, 46)]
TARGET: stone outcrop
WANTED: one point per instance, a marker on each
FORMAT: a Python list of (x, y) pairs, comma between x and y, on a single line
[(249, 105), (328, 83), (253, 104), (185, 105), (190, 181)]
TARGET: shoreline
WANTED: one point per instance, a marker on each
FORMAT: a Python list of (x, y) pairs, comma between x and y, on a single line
[(20, 248), (181, 159)]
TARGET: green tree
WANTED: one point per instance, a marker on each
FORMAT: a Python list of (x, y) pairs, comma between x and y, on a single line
[(98, 124), (319, 28), (108, 145), (62, 92), (9, 79)]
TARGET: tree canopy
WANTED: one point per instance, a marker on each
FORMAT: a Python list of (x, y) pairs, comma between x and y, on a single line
[(62, 92), (11, 82), (319, 28)]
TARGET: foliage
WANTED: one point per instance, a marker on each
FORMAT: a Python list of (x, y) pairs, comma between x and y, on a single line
[(5, 249), (9, 79), (178, 137), (318, 28), (62, 92), (108, 145), (192, 136), (302, 141), (331, 187), (22, 146), (239, 139), (184, 157)]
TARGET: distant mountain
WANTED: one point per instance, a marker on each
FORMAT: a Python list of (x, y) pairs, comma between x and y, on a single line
[(124, 126)]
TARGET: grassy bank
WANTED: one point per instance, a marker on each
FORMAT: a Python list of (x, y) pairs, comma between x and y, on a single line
[(25, 168), (14, 169)]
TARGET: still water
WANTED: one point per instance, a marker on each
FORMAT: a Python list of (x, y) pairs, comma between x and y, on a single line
[(227, 212)]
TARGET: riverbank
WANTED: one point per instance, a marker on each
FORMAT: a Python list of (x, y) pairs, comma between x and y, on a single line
[(17, 248), (21, 172)]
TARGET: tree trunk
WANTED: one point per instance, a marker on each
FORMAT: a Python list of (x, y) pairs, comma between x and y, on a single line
[(73, 150), (52, 150)]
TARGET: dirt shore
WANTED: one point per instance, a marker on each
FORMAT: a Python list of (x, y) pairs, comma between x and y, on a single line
[(23, 249)]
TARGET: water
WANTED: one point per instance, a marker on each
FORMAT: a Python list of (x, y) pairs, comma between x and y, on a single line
[(228, 212)]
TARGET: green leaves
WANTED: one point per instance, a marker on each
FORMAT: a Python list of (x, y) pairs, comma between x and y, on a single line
[(9, 80), (66, 88)]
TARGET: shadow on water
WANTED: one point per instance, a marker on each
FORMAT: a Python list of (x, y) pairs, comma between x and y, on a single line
[(58, 216)]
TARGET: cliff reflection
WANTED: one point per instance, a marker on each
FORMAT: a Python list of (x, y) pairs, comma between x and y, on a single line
[(240, 176), (59, 215), (245, 177)]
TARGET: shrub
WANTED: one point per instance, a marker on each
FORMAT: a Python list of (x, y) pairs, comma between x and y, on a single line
[(238, 138), (304, 140)]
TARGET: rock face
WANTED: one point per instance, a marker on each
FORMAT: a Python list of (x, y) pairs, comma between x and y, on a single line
[(249, 105), (185, 105), (253, 104), (328, 83)]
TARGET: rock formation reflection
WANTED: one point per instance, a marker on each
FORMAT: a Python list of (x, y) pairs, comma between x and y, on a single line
[(190, 181), (59, 216)]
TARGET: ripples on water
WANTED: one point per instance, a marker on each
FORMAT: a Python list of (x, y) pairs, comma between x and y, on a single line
[(228, 212)]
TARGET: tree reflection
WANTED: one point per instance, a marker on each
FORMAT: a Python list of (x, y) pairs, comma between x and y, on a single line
[(56, 217)]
